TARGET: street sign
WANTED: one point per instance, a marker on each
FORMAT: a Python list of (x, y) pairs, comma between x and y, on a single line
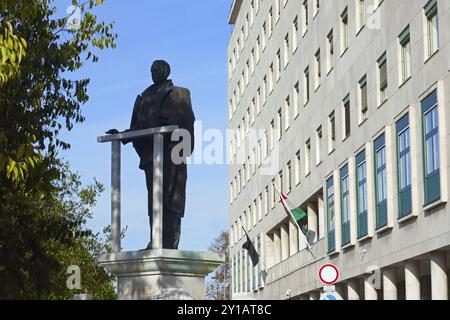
[(330, 296), (329, 274)]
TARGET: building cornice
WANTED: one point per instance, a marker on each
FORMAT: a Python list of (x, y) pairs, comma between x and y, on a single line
[(234, 12)]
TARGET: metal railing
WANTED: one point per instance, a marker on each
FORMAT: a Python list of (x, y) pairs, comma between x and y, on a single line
[(158, 158)]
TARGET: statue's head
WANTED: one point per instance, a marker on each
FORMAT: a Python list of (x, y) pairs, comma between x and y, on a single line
[(160, 71)]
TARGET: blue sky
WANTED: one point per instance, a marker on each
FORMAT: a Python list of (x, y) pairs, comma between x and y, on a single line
[(192, 36)]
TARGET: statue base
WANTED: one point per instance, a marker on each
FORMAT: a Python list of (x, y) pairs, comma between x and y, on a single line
[(160, 274)]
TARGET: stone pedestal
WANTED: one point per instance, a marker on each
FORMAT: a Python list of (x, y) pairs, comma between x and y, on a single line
[(160, 274)]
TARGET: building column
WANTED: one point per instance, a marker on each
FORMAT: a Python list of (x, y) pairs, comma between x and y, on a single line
[(313, 220), (340, 290), (389, 284), (284, 235), (370, 293), (315, 295), (438, 267), (277, 246), (352, 289), (412, 280), (293, 238)]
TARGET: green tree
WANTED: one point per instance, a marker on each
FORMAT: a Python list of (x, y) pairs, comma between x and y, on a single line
[(218, 287), (44, 207)]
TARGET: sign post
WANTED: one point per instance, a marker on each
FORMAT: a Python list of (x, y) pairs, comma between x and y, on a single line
[(329, 275)]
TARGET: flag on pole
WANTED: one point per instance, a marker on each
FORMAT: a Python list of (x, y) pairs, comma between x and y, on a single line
[(248, 245), (300, 218)]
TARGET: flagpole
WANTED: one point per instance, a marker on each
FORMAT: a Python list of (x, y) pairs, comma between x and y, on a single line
[(310, 249)]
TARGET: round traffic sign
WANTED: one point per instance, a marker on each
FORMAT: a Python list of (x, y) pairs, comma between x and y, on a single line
[(329, 274)]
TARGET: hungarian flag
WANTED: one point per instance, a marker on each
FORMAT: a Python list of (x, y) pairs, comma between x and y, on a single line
[(248, 245)]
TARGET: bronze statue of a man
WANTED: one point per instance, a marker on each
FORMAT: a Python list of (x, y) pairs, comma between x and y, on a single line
[(163, 104)]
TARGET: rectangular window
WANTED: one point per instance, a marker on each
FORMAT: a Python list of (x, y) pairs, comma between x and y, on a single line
[(318, 68), (345, 205), (316, 7), (330, 51), (287, 112), (361, 15), (405, 55), (382, 78), (260, 204), (305, 16), (346, 120), (286, 51), (307, 157), (281, 181), (288, 177), (258, 249), (270, 19), (344, 31), (272, 134), (274, 196), (295, 34), (271, 77), (380, 182), (430, 120), (330, 216), (280, 124), (267, 199), (244, 274), (306, 85), (318, 145), (296, 99), (404, 166), (331, 132), (239, 272), (234, 282), (363, 102), (298, 166), (278, 66), (361, 194), (432, 27)]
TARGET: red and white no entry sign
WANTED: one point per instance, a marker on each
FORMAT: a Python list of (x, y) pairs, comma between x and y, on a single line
[(329, 274)]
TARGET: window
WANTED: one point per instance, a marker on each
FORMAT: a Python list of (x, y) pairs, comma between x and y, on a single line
[(307, 157), (264, 90), (278, 66), (287, 113), (277, 10), (361, 14), (316, 7), (288, 177), (281, 181), (345, 205), (260, 204), (271, 74), (318, 69), (361, 194), (405, 55), (346, 113), (274, 199), (239, 272), (296, 99), (404, 166), (257, 48), (363, 102), (431, 148), (305, 16), (266, 190), (272, 134), (270, 19), (432, 27), (286, 50), (264, 36), (344, 31), (298, 166), (318, 145), (280, 124), (306, 85), (330, 51), (258, 100), (382, 79), (330, 216), (295, 34), (380, 182), (332, 132), (258, 250), (252, 12), (234, 275)]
